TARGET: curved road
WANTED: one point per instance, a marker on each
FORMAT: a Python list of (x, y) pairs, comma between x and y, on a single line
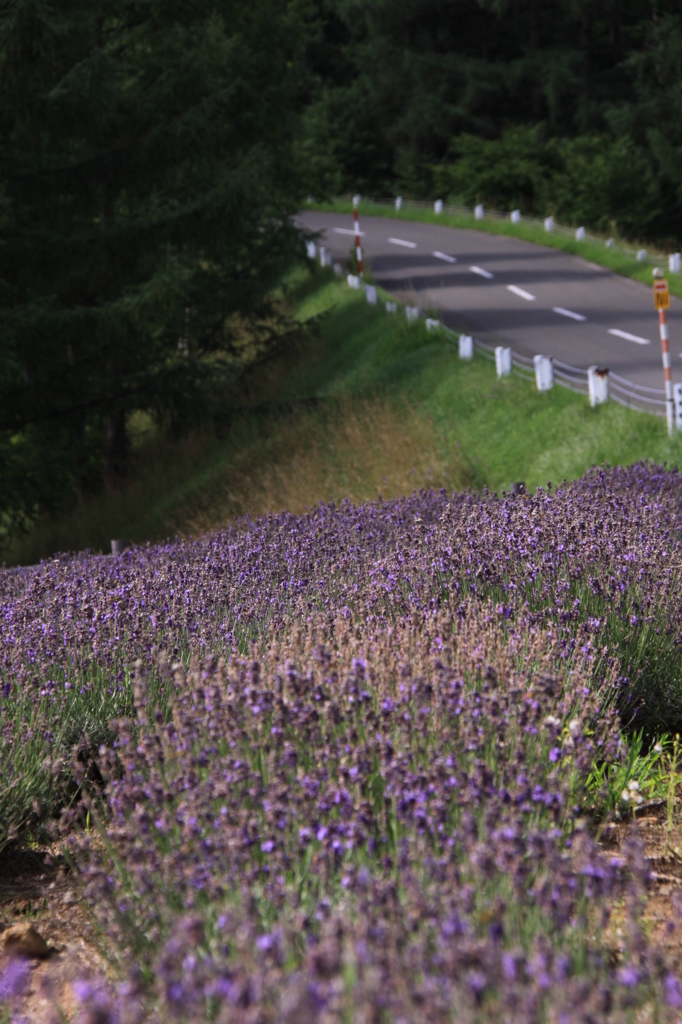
[(507, 291)]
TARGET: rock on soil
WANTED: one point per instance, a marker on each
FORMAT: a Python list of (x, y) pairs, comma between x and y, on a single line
[(24, 940)]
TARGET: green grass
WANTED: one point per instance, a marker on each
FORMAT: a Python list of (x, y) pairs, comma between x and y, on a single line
[(366, 404), (505, 430), (612, 259)]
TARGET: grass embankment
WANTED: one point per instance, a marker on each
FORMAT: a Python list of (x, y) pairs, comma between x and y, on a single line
[(596, 252), (367, 405)]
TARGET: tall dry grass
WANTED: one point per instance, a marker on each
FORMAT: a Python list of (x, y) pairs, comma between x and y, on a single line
[(356, 448), (337, 448)]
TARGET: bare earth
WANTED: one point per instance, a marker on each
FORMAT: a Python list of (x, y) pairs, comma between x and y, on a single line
[(48, 897)]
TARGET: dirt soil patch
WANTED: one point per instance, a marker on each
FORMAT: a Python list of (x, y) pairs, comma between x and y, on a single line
[(47, 895), (663, 851)]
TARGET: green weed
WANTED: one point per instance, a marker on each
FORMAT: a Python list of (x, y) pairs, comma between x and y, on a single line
[(641, 776)]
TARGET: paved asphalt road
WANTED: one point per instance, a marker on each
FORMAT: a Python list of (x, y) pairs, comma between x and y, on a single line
[(506, 291)]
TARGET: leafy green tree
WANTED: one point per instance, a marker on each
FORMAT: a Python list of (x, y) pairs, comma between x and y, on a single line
[(404, 77), (512, 172), (148, 183), (599, 181), (564, 106), (651, 120)]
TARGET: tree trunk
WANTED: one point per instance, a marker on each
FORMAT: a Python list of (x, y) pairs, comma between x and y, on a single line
[(614, 25), (116, 448)]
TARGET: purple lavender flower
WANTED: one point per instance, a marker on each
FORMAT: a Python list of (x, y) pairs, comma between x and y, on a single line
[(343, 682)]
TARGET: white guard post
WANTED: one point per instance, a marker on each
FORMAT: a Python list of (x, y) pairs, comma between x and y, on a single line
[(338, 270), (432, 325), (311, 250), (412, 313), (438, 206), (466, 346), (353, 281), (503, 363), (674, 262), (398, 202), (479, 212), (598, 385), (544, 373), (516, 216), (580, 234), (641, 255), (356, 225), (325, 257), (549, 223), (371, 294), (677, 398), (391, 307)]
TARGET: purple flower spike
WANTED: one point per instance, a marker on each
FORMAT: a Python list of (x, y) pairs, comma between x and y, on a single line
[(354, 681), (628, 976), (13, 979), (673, 991)]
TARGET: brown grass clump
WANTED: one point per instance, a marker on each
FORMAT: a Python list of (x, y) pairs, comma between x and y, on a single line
[(289, 457), (346, 448)]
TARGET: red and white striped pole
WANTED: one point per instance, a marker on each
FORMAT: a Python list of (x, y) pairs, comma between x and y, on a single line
[(662, 299), (667, 369), (358, 247)]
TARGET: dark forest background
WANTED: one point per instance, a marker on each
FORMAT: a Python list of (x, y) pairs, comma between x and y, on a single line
[(572, 107), (153, 154)]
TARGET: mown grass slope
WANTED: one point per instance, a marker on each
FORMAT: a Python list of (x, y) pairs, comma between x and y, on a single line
[(364, 405)]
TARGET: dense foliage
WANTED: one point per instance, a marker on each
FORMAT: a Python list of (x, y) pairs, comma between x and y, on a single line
[(569, 106), (148, 182), (153, 153), (381, 803)]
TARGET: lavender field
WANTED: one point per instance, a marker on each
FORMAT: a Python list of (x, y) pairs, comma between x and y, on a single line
[(361, 764)]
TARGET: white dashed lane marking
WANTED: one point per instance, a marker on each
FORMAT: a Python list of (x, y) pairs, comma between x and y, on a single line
[(481, 272), (401, 241), (629, 337), (521, 293), (567, 312), (444, 256)]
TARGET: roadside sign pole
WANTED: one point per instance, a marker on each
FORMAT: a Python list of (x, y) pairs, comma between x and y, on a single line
[(667, 370), (662, 303), (358, 247)]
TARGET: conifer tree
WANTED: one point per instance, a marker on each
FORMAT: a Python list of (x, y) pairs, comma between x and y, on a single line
[(147, 187)]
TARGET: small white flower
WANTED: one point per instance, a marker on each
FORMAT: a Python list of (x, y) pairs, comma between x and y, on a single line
[(551, 720), (633, 786), (658, 747), (574, 726), (639, 799), (625, 795)]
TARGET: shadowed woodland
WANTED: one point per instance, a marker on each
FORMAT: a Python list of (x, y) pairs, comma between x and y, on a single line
[(153, 157)]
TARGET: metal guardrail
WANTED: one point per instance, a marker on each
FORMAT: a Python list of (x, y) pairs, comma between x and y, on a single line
[(622, 391), (572, 378)]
